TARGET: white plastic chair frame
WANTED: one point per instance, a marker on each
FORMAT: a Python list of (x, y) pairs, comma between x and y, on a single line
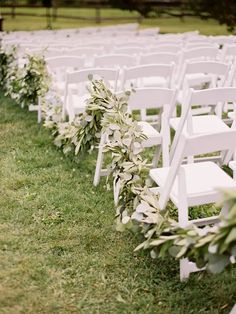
[(194, 184), (162, 75), (200, 73)]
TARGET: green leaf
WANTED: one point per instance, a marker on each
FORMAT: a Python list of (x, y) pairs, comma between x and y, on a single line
[(231, 237), (217, 263)]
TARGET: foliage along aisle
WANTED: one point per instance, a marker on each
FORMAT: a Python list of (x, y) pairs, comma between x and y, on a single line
[(137, 207)]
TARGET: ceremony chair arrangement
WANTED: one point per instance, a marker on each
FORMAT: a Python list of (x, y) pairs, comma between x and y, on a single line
[(188, 79)]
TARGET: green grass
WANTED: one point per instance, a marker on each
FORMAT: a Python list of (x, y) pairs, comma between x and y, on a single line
[(59, 251), (166, 24)]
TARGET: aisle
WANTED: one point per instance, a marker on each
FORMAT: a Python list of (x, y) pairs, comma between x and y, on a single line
[(59, 251)]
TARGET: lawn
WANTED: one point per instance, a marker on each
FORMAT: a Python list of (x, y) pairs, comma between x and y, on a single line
[(59, 251), (166, 24)]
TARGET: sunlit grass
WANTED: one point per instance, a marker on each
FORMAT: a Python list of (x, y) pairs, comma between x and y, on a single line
[(59, 251)]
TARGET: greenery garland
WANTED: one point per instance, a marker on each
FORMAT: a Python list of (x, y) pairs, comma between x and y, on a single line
[(83, 134)]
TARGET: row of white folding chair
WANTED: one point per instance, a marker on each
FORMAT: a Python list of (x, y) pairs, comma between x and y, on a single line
[(196, 183), (204, 53), (137, 76), (151, 75)]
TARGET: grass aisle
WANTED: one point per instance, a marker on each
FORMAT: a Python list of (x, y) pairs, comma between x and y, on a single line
[(59, 252)]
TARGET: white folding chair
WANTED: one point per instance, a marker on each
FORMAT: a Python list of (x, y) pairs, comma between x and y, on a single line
[(75, 103), (202, 74), (143, 98), (150, 75), (196, 183)]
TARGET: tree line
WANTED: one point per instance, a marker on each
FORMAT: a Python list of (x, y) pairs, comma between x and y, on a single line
[(224, 11)]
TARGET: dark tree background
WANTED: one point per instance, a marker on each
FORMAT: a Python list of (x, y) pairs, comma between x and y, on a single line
[(223, 11), (143, 7), (47, 3)]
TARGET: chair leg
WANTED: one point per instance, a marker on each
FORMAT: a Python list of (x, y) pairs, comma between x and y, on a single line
[(165, 155), (184, 269), (39, 110), (156, 157), (99, 162)]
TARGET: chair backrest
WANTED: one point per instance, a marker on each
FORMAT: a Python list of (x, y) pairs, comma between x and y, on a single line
[(164, 47), (200, 44), (213, 69), (84, 51), (129, 50), (65, 62), (51, 52), (82, 76), (159, 57), (195, 145), (130, 43), (151, 98), (114, 60), (136, 74), (205, 97), (202, 53), (58, 66)]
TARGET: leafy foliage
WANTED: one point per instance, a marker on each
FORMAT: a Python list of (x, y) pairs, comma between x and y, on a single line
[(214, 247), (141, 6), (33, 80), (83, 134), (223, 11), (7, 66), (25, 84)]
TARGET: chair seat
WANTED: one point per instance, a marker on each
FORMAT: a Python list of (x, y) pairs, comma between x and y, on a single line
[(201, 188), (153, 136), (202, 124)]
